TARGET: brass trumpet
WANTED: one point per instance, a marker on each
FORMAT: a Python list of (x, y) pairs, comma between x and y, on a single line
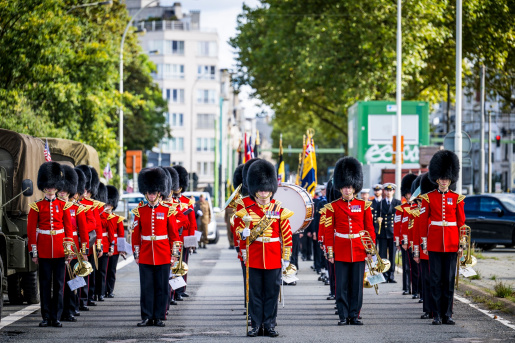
[(382, 265), (82, 268)]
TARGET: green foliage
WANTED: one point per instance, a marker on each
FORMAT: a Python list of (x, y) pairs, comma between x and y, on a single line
[(59, 75), (309, 61), (502, 290)]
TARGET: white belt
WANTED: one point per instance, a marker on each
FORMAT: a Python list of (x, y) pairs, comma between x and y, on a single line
[(444, 223), (50, 232), (267, 239), (343, 235), (116, 235), (154, 238), (75, 233), (104, 234)]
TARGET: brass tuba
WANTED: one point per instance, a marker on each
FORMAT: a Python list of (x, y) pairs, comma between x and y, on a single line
[(81, 268), (180, 268), (231, 202), (382, 265)]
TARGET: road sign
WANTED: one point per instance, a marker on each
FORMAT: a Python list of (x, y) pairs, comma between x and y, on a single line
[(133, 161), (448, 142)]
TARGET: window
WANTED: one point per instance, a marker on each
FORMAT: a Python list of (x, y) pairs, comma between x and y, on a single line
[(207, 48), (176, 119), (175, 96), (205, 121), (169, 71), (206, 96), (167, 117), (487, 204), (471, 204), (174, 47), (205, 144), (206, 72), (176, 144), (205, 168)]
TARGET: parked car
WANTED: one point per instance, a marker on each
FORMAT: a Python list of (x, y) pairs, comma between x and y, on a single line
[(492, 219), (212, 230)]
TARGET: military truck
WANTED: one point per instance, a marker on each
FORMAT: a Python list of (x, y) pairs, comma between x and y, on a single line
[(20, 158)]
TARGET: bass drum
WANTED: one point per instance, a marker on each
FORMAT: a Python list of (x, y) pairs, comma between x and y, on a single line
[(298, 200)]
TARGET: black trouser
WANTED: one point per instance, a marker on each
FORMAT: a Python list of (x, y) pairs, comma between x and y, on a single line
[(185, 258), (92, 278), (387, 249), (305, 246), (442, 270), (244, 270), (51, 287), (71, 298), (264, 286), (100, 275), (330, 268), (426, 284), (318, 254), (295, 250), (406, 272), (153, 282), (415, 275), (111, 274), (349, 288)]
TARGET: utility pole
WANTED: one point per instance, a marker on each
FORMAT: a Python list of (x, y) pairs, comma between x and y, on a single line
[(398, 164), (489, 152), (458, 143), (482, 135)]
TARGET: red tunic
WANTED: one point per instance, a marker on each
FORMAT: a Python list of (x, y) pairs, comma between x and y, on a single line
[(48, 223), (79, 225), (183, 204), (116, 226), (275, 240), (155, 230), (417, 241), (345, 217), (107, 231), (397, 225), (412, 214), (441, 216), (93, 217)]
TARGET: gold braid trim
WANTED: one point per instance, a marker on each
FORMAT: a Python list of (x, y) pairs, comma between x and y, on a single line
[(461, 198), (68, 205), (286, 213), (368, 204), (120, 219), (34, 206), (425, 197), (81, 208), (399, 208), (329, 207), (135, 211)]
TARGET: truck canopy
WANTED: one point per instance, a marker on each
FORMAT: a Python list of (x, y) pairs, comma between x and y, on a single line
[(21, 156), (65, 150)]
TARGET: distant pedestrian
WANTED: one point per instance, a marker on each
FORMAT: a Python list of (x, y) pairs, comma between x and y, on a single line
[(205, 219)]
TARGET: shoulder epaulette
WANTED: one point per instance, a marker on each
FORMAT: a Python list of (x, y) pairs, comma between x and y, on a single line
[(241, 213), (135, 211), (329, 207), (240, 202), (34, 206), (171, 211), (192, 201), (81, 208), (425, 197), (87, 207), (286, 213), (322, 210), (120, 219), (68, 205), (408, 210), (367, 204), (111, 216), (399, 208), (460, 197)]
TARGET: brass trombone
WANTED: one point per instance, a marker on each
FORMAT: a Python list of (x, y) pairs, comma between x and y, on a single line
[(467, 261), (82, 268), (180, 268), (382, 265)]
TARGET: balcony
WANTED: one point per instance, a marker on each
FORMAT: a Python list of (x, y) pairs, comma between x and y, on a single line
[(169, 25)]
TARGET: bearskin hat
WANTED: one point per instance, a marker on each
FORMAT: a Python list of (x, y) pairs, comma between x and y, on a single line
[(101, 193), (81, 181), (69, 181), (237, 177), (332, 193), (49, 175), (174, 175), (184, 177), (244, 172), (444, 165), (348, 172), (112, 196), (261, 177), (426, 185), (95, 182), (415, 184), (152, 180), (87, 172), (168, 183), (406, 182)]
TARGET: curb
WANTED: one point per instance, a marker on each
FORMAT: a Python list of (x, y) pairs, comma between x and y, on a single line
[(478, 291)]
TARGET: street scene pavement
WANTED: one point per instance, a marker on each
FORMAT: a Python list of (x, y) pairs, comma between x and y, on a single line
[(214, 312)]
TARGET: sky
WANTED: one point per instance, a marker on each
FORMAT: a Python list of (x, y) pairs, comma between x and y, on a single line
[(221, 15)]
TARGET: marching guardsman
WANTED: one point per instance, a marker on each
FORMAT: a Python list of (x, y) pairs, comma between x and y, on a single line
[(401, 242), (376, 206), (116, 223), (107, 244), (442, 217), (420, 257), (186, 207), (332, 194), (72, 184), (345, 219), (408, 229), (269, 245), (48, 224), (156, 244), (94, 231), (385, 236)]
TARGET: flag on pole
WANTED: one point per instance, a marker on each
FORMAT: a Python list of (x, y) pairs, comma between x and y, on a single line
[(309, 166), (255, 153), (281, 175), (107, 172), (46, 152), (249, 154)]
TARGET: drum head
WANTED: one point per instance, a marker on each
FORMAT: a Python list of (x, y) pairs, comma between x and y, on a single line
[(293, 198)]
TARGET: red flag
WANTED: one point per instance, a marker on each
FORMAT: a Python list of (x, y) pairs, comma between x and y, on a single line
[(246, 147), (249, 154), (46, 152)]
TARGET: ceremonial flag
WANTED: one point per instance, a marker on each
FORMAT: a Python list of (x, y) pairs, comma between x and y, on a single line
[(309, 166), (255, 153), (249, 154), (46, 152), (107, 172), (281, 175)]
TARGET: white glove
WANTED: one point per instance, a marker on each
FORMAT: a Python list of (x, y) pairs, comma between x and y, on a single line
[(286, 263), (245, 233), (200, 213)]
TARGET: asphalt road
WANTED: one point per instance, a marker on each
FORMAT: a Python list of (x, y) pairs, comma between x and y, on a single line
[(214, 313)]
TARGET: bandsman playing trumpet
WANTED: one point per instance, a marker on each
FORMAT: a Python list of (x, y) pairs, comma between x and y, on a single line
[(345, 219)]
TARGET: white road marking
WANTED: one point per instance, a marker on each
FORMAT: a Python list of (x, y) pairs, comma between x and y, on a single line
[(124, 263), (18, 315), (486, 312)]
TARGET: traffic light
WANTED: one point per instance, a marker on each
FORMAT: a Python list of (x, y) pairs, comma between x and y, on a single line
[(498, 140)]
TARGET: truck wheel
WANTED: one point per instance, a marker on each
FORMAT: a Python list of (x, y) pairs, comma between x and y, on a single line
[(1, 285), (29, 286), (14, 289)]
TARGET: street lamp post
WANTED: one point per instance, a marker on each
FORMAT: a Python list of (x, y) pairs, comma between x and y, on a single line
[(98, 3), (120, 124)]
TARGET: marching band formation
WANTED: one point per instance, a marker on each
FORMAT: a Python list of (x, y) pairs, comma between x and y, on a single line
[(74, 234)]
